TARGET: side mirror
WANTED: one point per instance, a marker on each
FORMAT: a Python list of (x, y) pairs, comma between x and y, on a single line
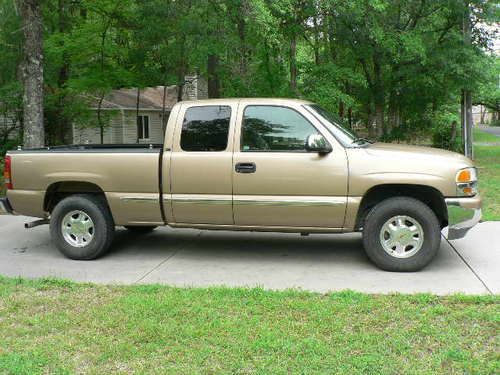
[(318, 143)]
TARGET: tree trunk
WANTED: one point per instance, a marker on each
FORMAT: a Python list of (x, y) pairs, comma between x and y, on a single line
[(293, 64), (137, 113), (453, 135), (213, 77), (99, 118), (241, 25), (31, 13), (163, 109), (181, 69), (317, 57), (64, 133), (379, 99), (379, 119), (269, 73), (372, 133), (466, 112), (393, 112)]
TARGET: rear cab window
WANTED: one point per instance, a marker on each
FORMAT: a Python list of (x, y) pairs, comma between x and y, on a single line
[(205, 128)]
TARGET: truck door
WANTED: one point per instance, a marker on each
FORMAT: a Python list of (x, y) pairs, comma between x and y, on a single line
[(201, 164), (276, 182)]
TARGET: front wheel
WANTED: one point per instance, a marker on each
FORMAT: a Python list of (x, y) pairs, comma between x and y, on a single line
[(82, 227), (401, 234)]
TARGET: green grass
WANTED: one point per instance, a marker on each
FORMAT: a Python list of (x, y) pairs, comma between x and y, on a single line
[(54, 326), (481, 136), (487, 158)]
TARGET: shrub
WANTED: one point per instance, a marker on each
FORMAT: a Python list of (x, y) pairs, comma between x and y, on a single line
[(9, 145), (442, 137)]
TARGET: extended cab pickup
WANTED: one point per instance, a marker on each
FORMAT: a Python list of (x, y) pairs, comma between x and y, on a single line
[(249, 164)]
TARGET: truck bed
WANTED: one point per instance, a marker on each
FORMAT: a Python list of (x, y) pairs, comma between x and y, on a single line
[(128, 175)]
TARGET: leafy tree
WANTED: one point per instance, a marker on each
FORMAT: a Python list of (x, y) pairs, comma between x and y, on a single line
[(396, 67)]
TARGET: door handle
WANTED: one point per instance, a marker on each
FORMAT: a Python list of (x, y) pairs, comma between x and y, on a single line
[(245, 168)]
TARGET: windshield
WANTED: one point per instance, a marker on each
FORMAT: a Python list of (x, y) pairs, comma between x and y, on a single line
[(335, 125)]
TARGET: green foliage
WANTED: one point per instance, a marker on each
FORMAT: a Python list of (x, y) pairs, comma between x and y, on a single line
[(388, 62), (446, 130), (488, 93), (442, 137)]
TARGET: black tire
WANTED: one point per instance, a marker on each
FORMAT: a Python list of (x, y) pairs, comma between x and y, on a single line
[(103, 226), (414, 209), (142, 229)]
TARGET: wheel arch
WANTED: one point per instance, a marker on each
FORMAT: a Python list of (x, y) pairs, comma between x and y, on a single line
[(62, 189), (428, 195)]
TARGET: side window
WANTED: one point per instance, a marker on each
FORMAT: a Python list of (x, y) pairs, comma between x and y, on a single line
[(205, 128), (273, 128)]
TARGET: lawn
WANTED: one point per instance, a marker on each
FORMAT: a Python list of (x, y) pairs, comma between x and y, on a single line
[(487, 158), (481, 136), (54, 326)]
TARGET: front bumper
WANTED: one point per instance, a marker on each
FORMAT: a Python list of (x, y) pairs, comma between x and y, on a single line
[(5, 207), (463, 214)]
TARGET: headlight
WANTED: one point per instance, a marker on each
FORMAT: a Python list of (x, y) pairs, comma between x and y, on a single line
[(466, 180)]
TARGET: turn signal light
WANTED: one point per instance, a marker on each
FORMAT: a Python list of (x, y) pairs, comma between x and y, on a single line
[(7, 174), (464, 175), (466, 180), (468, 190)]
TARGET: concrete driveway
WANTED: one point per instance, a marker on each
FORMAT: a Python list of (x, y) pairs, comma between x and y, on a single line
[(318, 263)]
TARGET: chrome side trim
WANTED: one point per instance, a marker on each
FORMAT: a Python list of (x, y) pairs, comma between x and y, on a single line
[(463, 214), (140, 199), (256, 200), (199, 199), (289, 200)]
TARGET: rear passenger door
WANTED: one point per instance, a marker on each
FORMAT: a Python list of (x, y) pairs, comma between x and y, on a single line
[(201, 164)]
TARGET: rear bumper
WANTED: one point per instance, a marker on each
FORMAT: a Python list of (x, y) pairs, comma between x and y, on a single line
[(5, 207), (463, 214)]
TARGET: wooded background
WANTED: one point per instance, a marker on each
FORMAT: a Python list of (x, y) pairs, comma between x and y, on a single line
[(397, 68)]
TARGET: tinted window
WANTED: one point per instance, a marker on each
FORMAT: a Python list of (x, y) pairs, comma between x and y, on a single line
[(269, 128), (205, 128)]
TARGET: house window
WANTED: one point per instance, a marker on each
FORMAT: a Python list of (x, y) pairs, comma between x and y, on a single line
[(143, 127)]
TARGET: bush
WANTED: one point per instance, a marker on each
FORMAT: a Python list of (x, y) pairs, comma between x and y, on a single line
[(9, 145), (442, 137)]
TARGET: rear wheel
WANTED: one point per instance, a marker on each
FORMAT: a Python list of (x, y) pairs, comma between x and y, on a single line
[(140, 229), (401, 234), (82, 227)]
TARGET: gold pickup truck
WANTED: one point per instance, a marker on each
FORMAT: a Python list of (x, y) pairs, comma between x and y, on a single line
[(249, 164)]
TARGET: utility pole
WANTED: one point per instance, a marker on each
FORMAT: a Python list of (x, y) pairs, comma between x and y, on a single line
[(466, 102)]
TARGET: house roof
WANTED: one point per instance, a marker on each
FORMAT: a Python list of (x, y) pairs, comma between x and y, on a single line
[(150, 98)]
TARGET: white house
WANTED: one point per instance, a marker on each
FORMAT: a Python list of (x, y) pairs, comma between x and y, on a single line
[(123, 124)]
